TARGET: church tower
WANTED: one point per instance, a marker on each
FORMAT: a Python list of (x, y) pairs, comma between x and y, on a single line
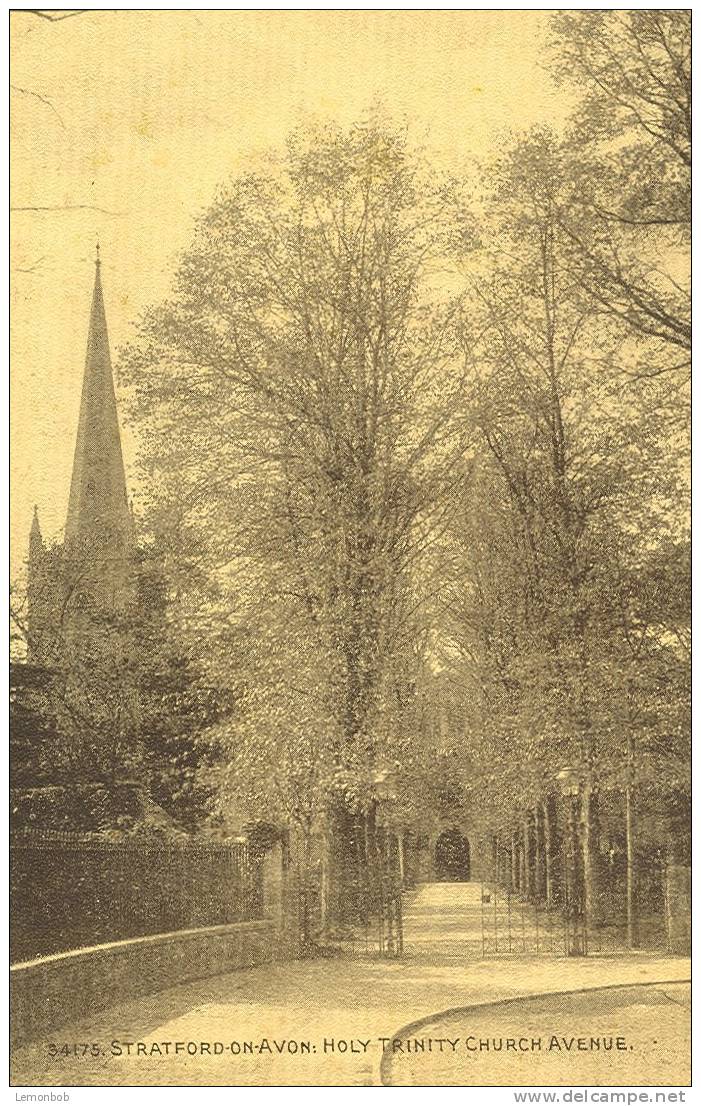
[(97, 548), (80, 594), (97, 542), (40, 590), (83, 595), (98, 522)]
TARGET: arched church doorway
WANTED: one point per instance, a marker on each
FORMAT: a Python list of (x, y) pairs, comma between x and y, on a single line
[(452, 857)]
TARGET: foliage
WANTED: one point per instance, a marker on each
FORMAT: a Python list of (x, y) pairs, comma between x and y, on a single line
[(294, 400)]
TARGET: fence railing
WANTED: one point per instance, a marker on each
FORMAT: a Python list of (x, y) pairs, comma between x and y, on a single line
[(372, 901), (68, 890), (512, 924)]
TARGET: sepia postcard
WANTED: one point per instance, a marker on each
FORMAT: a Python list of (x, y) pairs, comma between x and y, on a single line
[(350, 549)]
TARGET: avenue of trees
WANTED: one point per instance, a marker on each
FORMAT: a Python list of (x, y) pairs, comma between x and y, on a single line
[(414, 470), (416, 462)]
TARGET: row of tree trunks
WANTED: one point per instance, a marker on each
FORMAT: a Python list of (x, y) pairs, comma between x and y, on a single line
[(553, 854), (363, 864), (531, 859), (349, 853)]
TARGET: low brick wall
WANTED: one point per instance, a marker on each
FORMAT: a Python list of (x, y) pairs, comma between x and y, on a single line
[(57, 990)]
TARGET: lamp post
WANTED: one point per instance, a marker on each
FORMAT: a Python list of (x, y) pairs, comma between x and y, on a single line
[(570, 784), (385, 794)]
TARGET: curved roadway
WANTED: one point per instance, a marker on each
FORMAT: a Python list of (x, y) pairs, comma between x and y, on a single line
[(332, 1022)]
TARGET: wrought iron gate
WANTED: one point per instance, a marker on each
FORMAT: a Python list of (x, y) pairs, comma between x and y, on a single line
[(375, 920), (513, 926)]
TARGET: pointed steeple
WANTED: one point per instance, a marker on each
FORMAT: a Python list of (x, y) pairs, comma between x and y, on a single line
[(39, 588), (98, 520), (36, 542)]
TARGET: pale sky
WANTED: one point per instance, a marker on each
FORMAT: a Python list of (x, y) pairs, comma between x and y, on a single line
[(143, 114)]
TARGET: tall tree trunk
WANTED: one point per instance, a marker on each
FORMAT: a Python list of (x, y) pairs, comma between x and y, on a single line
[(326, 865), (548, 845), (589, 831), (519, 863), (347, 859), (303, 881), (538, 860), (631, 872), (514, 862), (527, 884)]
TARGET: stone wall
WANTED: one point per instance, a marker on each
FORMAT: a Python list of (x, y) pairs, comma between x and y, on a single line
[(57, 990)]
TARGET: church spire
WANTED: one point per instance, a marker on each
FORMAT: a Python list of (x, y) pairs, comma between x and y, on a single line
[(38, 589), (98, 513), (36, 542)]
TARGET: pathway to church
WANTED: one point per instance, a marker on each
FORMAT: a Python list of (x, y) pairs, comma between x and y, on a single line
[(365, 1021)]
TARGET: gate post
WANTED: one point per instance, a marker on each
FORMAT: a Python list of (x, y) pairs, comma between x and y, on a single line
[(278, 896), (678, 908)]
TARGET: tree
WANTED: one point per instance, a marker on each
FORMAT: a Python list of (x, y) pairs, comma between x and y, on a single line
[(294, 406), (631, 235), (567, 474), (104, 696), (634, 71), (633, 132)]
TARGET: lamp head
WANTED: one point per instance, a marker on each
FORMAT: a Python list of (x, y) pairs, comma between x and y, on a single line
[(384, 785), (568, 779)]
